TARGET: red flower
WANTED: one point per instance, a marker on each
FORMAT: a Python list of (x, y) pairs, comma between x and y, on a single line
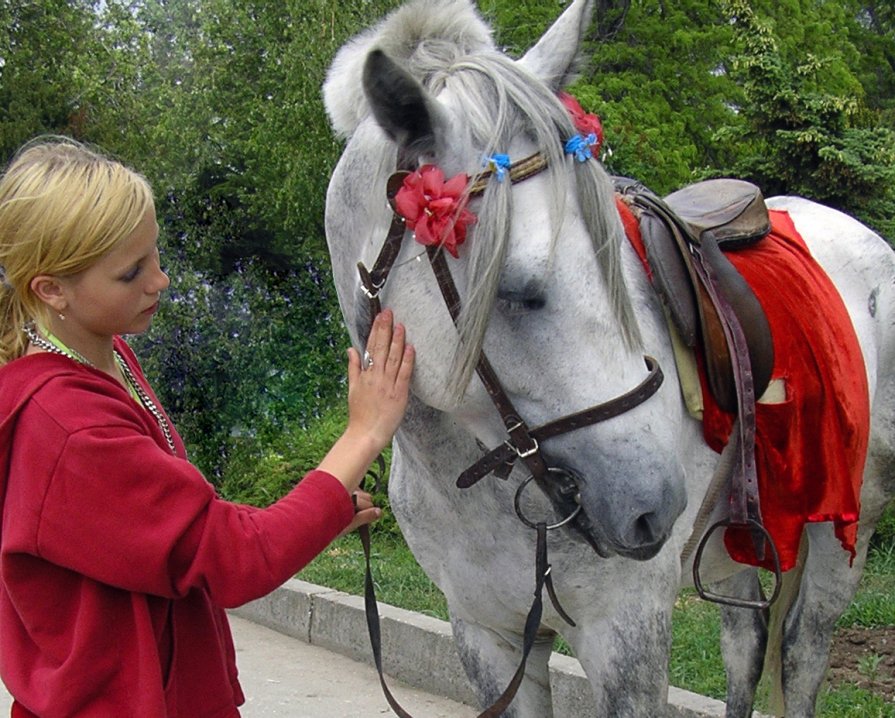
[(585, 122), (434, 209)]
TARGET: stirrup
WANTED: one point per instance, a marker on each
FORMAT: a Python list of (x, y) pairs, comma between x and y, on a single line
[(733, 600)]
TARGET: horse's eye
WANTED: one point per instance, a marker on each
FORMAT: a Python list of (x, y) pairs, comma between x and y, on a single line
[(516, 305)]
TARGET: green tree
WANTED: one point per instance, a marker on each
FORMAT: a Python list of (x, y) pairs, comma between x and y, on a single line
[(658, 82), (252, 339), (68, 68), (807, 139), (872, 31)]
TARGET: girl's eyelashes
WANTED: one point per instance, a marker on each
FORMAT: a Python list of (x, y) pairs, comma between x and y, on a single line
[(131, 275)]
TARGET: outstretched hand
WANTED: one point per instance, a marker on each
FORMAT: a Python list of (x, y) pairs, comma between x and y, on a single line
[(379, 384), (378, 390)]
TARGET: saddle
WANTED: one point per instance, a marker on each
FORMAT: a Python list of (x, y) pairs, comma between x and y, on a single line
[(684, 235)]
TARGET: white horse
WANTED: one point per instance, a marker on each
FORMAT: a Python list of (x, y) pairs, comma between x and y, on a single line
[(555, 296)]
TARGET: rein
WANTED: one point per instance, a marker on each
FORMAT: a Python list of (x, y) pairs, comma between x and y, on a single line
[(523, 443)]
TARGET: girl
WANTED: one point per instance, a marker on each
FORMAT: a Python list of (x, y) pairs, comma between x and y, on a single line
[(116, 556)]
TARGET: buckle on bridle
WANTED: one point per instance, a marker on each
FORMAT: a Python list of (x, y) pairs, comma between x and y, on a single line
[(534, 449), (528, 452), (374, 292)]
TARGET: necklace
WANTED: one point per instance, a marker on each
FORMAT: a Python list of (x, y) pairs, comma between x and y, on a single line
[(42, 343)]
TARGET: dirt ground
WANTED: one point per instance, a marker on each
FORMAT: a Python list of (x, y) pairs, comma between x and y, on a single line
[(864, 657)]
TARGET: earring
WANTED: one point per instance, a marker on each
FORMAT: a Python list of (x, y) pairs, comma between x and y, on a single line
[(62, 316)]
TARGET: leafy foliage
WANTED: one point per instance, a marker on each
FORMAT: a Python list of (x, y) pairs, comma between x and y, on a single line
[(69, 68), (219, 104), (242, 357), (806, 139)]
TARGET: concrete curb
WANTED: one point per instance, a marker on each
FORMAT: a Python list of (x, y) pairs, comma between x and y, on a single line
[(419, 650)]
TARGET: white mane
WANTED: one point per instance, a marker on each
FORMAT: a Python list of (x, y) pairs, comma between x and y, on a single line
[(400, 35)]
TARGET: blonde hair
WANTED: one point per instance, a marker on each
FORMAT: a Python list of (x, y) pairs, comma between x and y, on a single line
[(63, 206)]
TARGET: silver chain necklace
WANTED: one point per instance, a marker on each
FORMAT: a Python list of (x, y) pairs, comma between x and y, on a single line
[(43, 343)]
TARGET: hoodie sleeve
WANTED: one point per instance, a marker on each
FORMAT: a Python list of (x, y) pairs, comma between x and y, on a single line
[(121, 510)]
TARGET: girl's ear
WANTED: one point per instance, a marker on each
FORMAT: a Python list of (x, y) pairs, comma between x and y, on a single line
[(50, 291)]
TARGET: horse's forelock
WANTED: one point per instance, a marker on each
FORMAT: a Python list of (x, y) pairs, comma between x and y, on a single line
[(402, 35), (500, 101)]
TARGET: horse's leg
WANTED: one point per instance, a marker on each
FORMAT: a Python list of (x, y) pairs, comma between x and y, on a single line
[(491, 658), (744, 634), (626, 659), (828, 586)]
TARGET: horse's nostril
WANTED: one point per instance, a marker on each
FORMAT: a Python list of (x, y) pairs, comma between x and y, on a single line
[(645, 531)]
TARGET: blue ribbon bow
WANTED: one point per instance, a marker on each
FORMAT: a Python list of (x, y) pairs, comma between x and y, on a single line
[(579, 146), (498, 164)]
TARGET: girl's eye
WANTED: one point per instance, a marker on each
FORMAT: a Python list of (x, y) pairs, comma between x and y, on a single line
[(131, 275)]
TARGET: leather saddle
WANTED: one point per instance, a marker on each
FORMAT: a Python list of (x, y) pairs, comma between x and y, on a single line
[(691, 227)]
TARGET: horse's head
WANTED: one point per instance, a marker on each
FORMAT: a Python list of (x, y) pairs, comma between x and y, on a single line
[(541, 276)]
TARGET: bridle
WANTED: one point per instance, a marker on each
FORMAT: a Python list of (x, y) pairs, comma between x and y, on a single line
[(522, 443)]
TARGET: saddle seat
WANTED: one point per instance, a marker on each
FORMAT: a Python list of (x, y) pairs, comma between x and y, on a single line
[(695, 224)]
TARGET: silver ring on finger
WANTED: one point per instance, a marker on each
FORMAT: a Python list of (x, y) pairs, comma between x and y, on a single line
[(368, 360)]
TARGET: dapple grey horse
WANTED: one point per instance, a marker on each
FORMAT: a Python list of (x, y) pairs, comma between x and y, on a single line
[(556, 298)]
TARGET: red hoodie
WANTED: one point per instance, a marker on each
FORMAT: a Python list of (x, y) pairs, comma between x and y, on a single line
[(117, 557)]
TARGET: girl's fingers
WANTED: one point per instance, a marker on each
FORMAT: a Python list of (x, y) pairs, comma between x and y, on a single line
[(361, 518), (406, 369), (361, 500), (380, 338), (396, 350), (386, 346)]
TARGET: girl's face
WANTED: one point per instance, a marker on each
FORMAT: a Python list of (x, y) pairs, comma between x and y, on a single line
[(120, 293)]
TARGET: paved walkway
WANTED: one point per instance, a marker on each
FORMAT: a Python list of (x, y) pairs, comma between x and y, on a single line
[(287, 678)]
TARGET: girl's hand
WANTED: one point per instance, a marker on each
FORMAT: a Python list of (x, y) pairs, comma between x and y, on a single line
[(379, 384), (378, 390), (364, 512)]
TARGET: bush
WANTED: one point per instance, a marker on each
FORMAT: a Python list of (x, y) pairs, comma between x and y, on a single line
[(259, 474), (239, 358)]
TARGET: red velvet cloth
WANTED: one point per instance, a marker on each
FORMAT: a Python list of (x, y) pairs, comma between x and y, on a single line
[(810, 449)]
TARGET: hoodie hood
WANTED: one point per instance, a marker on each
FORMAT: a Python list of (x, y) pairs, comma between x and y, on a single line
[(20, 380)]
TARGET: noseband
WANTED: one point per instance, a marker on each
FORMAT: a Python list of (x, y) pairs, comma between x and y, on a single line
[(523, 442)]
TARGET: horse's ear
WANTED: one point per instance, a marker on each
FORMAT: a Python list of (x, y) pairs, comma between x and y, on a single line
[(401, 105), (553, 58)]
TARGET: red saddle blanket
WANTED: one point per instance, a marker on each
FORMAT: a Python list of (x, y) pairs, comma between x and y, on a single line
[(810, 449)]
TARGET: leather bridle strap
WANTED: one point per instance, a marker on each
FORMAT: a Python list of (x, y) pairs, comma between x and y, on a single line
[(507, 453), (524, 442), (532, 624), (521, 444), (373, 280), (518, 172)]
